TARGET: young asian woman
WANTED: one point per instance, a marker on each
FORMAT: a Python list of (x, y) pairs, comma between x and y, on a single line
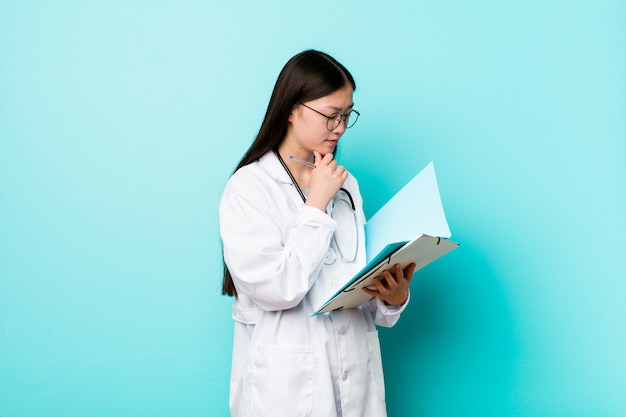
[(292, 229)]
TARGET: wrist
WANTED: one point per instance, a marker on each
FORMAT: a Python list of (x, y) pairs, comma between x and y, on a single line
[(311, 202), (393, 304)]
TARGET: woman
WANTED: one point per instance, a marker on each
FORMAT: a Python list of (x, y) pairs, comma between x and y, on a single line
[(291, 222)]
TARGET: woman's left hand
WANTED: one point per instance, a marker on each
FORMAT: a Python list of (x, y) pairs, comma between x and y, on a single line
[(392, 286)]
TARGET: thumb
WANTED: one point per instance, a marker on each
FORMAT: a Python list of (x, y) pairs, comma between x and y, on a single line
[(318, 157)]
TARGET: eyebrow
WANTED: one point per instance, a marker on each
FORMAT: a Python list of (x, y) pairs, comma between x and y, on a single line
[(339, 109)]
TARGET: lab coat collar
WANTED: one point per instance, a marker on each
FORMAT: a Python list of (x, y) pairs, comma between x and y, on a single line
[(270, 164)]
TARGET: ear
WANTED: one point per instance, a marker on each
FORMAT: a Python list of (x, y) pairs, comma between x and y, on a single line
[(294, 109)]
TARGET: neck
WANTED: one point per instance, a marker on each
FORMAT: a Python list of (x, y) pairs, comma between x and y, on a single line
[(301, 172)]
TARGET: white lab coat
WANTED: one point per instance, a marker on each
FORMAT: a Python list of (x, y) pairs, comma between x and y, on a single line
[(285, 362)]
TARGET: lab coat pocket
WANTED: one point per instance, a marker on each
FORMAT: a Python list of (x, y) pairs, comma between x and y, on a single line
[(282, 381), (245, 315), (375, 363)]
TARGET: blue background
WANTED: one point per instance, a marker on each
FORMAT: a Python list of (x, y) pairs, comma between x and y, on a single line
[(120, 122)]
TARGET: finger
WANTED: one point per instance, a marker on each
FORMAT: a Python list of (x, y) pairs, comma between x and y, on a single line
[(390, 280), (380, 287), (397, 271), (408, 272), (338, 173), (393, 275), (371, 292)]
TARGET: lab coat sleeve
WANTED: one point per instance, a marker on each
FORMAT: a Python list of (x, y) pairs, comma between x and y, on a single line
[(272, 262), (385, 315)]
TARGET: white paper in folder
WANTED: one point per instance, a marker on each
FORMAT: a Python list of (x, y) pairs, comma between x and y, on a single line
[(415, 209)]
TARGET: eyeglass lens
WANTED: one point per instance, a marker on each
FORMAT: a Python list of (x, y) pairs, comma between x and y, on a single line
[(336, 118)]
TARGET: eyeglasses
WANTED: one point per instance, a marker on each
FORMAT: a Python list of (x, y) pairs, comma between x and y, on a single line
[(332, 121), (346, 236)]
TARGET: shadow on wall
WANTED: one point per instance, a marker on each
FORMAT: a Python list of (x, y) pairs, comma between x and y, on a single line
[(454, 348)]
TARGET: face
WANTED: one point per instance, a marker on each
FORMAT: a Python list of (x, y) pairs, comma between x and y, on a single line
[(307, 131)]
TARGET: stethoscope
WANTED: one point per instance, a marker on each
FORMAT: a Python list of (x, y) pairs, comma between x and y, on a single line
[(331, 255)]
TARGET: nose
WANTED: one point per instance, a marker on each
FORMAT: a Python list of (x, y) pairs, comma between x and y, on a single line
[(341, 128)]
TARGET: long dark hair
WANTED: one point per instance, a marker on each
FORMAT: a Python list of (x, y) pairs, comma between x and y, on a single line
[(307, 76)]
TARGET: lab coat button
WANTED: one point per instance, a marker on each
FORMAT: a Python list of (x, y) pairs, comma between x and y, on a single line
[(345, 375), (331, 256), (342, 330)]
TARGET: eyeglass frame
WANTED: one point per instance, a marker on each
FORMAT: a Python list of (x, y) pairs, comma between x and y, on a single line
[(343, 117)]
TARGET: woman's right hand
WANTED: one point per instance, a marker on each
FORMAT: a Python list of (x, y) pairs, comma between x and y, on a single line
[(326, 179)]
